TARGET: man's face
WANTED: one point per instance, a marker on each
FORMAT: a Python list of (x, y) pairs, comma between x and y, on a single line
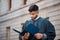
[(34, 14)]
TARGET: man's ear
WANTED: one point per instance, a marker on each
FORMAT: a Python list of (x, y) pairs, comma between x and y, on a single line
[(38, 11)]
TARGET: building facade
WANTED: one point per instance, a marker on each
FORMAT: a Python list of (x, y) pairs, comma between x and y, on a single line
[(15, 12)]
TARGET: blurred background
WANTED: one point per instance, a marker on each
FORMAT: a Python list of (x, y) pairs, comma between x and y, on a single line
[(14, 13)]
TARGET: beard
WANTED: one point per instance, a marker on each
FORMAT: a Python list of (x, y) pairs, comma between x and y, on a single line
[(34, 17)]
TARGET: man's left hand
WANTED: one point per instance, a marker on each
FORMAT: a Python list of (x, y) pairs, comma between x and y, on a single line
[(38, 36)]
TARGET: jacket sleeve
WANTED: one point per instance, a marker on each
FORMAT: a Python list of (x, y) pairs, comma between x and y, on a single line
[(23, 31), (50, 30)]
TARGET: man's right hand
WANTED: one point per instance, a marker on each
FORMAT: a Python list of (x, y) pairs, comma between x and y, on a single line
[(26, 36)]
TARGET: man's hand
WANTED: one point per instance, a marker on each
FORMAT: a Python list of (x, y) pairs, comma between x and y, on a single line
[(26, 36), (38, 36)]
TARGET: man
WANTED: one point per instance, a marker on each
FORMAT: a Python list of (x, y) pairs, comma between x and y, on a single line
[(46, 29)]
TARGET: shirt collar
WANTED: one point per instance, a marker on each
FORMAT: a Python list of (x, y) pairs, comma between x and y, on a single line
[(36, 18)]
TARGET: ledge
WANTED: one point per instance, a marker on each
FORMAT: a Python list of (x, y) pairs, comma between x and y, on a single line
[(24, 11)]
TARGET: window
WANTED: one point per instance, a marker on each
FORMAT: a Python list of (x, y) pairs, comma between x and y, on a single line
[(24, 2), (8, 33), (16, 4), (9, 4), (5, 6)]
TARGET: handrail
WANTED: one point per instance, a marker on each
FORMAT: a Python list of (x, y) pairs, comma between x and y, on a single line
[(19, 8)]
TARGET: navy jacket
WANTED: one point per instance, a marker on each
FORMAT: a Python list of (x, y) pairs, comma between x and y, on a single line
[(45, 27)]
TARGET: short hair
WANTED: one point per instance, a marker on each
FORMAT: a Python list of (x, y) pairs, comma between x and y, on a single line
[(33, 8)]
